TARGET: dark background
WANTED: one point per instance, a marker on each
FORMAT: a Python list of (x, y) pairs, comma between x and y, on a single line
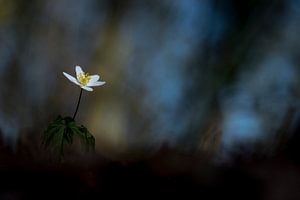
[(201, 98)]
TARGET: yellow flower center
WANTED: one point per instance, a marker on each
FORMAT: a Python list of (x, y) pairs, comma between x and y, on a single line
[(84, 78)]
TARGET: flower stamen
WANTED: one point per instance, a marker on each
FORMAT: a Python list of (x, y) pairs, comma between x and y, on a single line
[(84, 78)]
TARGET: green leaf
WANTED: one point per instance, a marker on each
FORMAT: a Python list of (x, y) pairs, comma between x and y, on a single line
[(53, 128), (69, 136), (86, 138), (89, 139), (61, 131)]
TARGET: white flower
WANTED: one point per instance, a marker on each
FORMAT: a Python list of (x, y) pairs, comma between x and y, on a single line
[(84, 80)]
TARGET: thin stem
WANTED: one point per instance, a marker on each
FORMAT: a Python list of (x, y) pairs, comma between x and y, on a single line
[(77, 104), (61, 152)]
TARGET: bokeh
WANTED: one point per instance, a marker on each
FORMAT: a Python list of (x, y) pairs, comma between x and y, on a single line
[(213, 78)]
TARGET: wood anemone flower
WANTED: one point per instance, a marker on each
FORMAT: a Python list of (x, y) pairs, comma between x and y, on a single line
[(84, 80)]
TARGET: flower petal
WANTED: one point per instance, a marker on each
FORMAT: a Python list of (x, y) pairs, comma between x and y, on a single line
[(94, 78), (71, 78), (78, 71), (87, 88), (97, 83)]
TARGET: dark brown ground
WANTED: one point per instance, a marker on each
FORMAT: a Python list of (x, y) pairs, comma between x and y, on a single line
[(168, 173)]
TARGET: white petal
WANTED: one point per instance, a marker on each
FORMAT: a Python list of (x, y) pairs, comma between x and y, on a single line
[(97, 83), (71, 78), (87, 88), (94, 78), (78, 71)]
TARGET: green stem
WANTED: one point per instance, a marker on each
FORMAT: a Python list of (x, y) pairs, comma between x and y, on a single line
[(61, 151), (77, 104)]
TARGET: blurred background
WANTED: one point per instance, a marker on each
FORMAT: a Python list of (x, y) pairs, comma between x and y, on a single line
[(200, 95)]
